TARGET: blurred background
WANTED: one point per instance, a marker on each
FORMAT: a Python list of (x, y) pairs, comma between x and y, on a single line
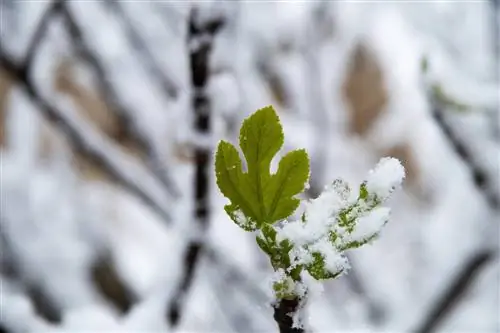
[(109, 115)]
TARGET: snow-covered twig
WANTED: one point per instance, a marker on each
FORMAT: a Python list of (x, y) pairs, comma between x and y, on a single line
[(111, 96), (481, 177), (93, 145), (10, 269), (455, 290), (200, 38), (141, 47), (339, 219), (40, 31)]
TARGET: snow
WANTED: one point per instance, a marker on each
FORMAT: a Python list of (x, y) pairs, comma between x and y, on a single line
[(387, 176), (57, 222)]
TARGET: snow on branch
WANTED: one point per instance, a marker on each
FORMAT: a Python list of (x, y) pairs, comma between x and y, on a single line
[(339, 219), (91, 143), (141, 47), (79, 41), (200, 38)]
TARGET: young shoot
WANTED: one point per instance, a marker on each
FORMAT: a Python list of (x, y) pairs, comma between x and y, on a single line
[(341, 218)]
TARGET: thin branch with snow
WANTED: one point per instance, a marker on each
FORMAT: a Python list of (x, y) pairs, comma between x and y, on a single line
[(112, 99), (455, 290), (482, 179), (88, 142), (154, 69), (200, 37)]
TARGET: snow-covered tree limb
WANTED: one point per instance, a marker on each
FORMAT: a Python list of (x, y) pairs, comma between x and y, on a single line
[(112, 98), (141, 47), (200, 42)]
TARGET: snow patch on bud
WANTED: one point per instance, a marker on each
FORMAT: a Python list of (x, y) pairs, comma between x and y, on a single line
[(369, 225), (387, 175), (335, 262)]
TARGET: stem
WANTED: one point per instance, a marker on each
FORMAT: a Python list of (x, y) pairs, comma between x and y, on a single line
[(283, 315)]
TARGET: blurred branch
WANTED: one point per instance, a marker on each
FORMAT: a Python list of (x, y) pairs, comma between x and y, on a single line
[(455, 291), (112, 99), (110, 284), (200, 42), (236, 276), (481, 178), (152, 66), (496, 54), (81, 140), (43, 302), (102, 154), (40, 31)]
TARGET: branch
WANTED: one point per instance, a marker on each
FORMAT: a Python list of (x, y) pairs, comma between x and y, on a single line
[(235, 275), (481, 178), (39, 33), (112, 99), (282, 312), (94, 151), (43, 303), (152, 66), (200, 37), (376, 312), (456, 289), (84, 142)]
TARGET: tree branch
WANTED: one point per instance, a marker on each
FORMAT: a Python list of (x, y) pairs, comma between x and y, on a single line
[(112, 99), (200, 37), (40, 32), (455, 291), (152, 66), (80, 139), (283, 312), (95, 152), (481, 177)]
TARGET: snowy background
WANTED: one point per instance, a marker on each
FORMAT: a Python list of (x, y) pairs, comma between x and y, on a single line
[(99, 171)]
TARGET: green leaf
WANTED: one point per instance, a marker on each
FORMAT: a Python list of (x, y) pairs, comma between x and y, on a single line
[(318, 270), (232, 182), (261, 196)]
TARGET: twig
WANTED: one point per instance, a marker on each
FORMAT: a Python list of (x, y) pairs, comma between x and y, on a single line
[(456, 289), (101, 158), (110, 284), (283, 312), (496, 46), (376, 312), (43, 303), (154, 69), (78, 138), (40, 31), (95, 152), (236, 276), (481, 178), (200, 39), (112, 99)]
